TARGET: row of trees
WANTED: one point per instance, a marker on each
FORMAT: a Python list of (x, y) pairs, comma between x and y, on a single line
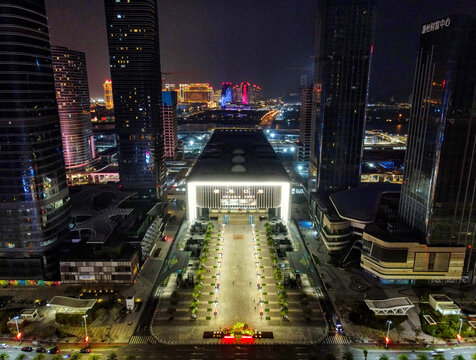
[(197, 289), (282, 295), (349, 356)]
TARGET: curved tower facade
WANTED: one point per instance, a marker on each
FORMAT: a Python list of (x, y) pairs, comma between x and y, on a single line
[(72, 96), (34, 200), (134, 56)]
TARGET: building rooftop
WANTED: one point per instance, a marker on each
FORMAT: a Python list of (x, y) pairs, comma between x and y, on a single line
[(402, 233), (110, 251), (236, 155), (362, 203)]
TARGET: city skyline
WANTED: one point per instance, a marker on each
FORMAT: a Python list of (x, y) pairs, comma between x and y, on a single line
[(204, 56)]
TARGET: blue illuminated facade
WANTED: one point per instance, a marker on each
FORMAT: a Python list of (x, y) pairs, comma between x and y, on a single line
[(225, 94)]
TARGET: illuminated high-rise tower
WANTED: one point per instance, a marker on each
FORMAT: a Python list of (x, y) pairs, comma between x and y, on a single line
[(34, 200), (341, 77), (169, 117), (305, 120), (439, 190), (108, 94), (134, 56), (72, 96)]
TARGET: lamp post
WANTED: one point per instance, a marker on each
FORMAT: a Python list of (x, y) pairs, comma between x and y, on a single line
[(459, 332), (16, 323), (85, 328), (387, 338)]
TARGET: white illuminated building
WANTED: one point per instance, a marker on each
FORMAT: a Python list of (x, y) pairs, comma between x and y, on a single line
[(238, 173)]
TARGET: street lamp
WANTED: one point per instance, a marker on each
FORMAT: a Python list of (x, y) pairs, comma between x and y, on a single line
[(86, 338), (459, 332), (387, 338)]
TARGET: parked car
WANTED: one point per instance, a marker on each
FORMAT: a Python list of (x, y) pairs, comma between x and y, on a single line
[(54, 350), (40, 349), (3, 346), (85, 350), (27, 349)]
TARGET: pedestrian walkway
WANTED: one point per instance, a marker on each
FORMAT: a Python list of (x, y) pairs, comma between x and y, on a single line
[(142, 340), (336, 339)]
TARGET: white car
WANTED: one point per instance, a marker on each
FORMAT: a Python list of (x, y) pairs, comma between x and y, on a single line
[(3, 346)]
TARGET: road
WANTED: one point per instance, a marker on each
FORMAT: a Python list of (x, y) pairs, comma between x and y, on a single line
[(268, 118), (205, 352)]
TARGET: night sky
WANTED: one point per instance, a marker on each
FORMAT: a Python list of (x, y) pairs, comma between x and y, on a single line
[(267, 42)]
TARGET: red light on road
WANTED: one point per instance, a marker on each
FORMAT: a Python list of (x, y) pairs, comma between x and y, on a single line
[(86, 339), (458, 336), (19, 335), (247, 339), (387, 340), (228, 339)]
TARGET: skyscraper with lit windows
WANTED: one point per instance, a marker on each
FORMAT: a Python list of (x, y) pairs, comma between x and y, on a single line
[(107, 85), (169, 118), (341, 76), (34, 200), (134, 56), (72, 96), (439, 189)]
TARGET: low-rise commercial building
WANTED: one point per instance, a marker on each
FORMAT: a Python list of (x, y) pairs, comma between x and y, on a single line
[(394, 255)]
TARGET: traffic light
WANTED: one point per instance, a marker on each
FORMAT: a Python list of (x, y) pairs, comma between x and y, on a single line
[(387, 340), (19, 335), (86, 339), (458, 336)]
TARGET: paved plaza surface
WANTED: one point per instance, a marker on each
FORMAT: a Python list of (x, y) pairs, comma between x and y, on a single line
[(234, 264)]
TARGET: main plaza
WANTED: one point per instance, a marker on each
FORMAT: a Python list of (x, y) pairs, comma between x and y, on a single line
[(239, 283)]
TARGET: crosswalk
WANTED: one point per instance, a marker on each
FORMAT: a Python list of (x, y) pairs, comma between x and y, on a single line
[(142, 340), (336, 339)]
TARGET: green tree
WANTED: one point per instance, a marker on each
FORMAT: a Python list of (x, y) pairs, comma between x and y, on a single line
[(458, 357), (403, 357), (383, 357), (439, 357), (57, 357), (39, 357), (347, 356), (4, 356), (76, 356), (422, 357), (21, 357), (473, 357), (94, 357), (366, 353), (112, 356), (330, 356)]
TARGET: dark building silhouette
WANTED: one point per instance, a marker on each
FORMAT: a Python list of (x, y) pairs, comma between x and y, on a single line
[(134, 56), (439, 190), (72, 96), (341, 76), (34, 200)]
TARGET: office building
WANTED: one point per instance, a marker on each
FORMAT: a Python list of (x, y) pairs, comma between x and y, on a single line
[(439, 187), (72, 96), (134, 56), (169, 118), (226, 94), (305, 120), (34, 200), (341, 76), (108, 95)]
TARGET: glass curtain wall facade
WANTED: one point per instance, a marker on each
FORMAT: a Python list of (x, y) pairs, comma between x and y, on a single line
[(133, 39), (439, 189), (72, 96), (34, 200), (341, 76)]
